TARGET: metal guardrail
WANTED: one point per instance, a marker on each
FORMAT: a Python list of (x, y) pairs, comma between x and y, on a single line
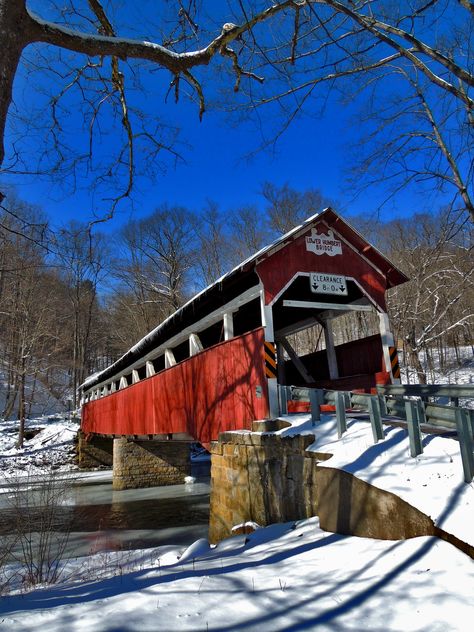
[(429, 390), (425, 391), (405, 403)]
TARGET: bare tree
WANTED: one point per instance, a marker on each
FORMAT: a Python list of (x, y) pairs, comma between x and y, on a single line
[(38, 524), (156, 271), (81, 259), (86, 30), (20, 319), (280, 53), (249, 232), (438, 300), (412, 140), (49, 309), (289, 207), (214, 256)]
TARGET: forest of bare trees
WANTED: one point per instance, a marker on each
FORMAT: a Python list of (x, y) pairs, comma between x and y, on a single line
[(72, 302), (50, 312)]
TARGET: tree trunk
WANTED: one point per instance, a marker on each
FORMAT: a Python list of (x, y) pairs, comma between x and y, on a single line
[(75, 357), (430, 363), (21, 406), (405, 361), (10, 402), (13, 26), (31, 398), (13, 384), (456, 349), (415, 359)]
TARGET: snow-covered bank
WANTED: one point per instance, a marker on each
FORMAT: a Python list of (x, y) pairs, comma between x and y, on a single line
[(289, 576), (432, 482), (285, 577), (51, 447), (41, 398)]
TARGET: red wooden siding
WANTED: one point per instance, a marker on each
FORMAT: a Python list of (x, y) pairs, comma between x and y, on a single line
[(278, 269), (360, 356), (360, 364), (209, 393)]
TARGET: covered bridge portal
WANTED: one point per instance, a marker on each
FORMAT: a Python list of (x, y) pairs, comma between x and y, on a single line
[(215, 364)]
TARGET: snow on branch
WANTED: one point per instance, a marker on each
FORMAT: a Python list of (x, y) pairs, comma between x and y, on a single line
[(123, 48)]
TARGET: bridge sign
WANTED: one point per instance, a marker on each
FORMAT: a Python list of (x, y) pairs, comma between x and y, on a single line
[(323, 283), (322, 244)]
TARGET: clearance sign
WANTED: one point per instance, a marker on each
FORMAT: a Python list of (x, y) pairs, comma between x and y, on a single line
[(323, 283)]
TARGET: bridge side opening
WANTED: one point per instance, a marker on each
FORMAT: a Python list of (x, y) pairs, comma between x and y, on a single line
[(238, 317), (206, 378)]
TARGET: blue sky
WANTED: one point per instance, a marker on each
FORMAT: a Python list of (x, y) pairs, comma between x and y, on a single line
[(313, 153)]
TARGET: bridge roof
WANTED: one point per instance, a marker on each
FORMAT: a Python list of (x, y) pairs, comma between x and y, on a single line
[(237, 281)]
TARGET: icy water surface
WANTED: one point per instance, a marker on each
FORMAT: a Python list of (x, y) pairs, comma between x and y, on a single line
[(100, 518)]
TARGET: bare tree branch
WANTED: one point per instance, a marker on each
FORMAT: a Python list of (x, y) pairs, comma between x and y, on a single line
[(379, 28)]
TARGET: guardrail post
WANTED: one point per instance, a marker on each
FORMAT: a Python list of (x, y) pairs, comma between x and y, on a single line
[(463, 424), (375, 419), (283, 393), (348, 399), (341, 413), (382, 405), (314, 398), (413, 423), (421, 411)]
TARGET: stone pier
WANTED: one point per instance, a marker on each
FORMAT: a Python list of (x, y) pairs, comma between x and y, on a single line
[(149, 463), (94, 451)]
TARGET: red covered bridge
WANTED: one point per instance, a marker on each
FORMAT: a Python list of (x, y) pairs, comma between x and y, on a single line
[(215, 364)]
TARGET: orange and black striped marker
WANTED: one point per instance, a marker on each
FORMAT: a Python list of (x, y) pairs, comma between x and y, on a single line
[(394, 362), (270, 359)]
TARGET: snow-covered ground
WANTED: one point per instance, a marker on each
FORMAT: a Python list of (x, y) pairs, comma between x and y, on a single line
[(40, 399), (291, 576), (433, 482), (50, 449), (458, 368)]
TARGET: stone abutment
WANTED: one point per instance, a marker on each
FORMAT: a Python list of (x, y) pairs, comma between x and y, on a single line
[(267, 478)]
